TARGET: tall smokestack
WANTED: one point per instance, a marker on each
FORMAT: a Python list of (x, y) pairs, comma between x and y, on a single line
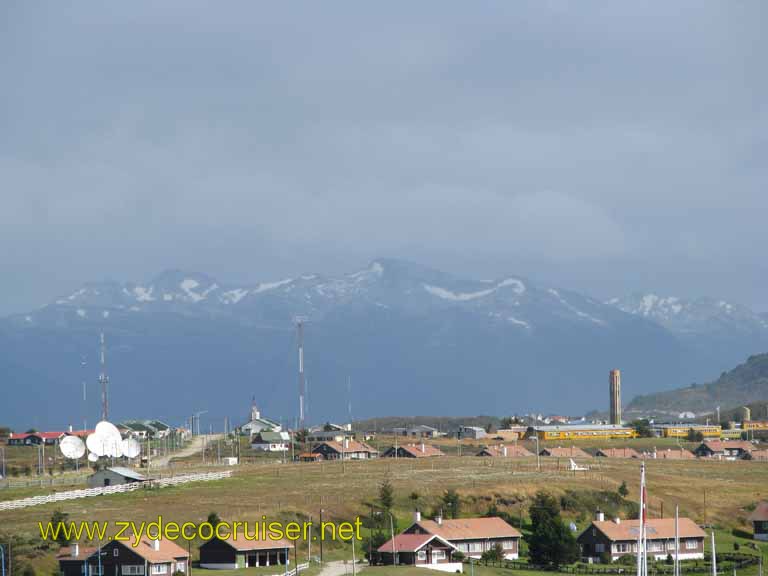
[(615, 393)]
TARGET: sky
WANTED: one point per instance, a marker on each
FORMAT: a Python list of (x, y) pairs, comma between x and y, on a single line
[(606, 147)]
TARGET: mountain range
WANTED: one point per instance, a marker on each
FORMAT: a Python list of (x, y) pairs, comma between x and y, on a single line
[(393, 338)]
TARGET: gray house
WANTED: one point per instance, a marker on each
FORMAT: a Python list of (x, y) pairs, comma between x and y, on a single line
[(114, 476)]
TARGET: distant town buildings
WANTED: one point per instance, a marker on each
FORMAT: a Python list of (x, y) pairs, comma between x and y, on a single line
[(148, 558), (421, 450), (114, 476), (268, 441), (256, 423)]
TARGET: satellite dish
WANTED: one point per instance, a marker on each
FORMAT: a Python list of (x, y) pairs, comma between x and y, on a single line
[(105, 440), (107, 429), (72, 447), (131, 448), (92, 457)]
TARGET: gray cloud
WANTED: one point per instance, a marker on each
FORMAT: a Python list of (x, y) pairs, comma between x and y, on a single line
[(605, 147)]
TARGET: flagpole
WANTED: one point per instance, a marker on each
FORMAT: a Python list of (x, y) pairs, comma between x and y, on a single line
[(677, 543)]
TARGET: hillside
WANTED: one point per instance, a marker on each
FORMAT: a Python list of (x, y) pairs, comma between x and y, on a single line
[(745, 384)]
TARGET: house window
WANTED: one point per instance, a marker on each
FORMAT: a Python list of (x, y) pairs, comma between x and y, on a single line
[(422, 555), (623, 547), (180, 567), (599, 547), (691, 545), (116, 552), (132, 570), (438, 554), (159, 569)]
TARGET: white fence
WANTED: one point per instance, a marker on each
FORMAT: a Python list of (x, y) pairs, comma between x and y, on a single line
[(88, 492), (296, 570)]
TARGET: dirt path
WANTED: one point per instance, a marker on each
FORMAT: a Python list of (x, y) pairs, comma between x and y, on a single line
[(338, 568), (195, 446)]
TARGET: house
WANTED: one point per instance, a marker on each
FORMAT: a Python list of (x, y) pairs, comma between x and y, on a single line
[(672, 454), (241, 552), (266, 441), (418, 431), (148, 558), (329, 435), (346, 450), (413, 451), (471, 536), (502, 451), (723, 449), (309, 457), (759, 519), (617, 538), (114, 476), (617, 453), (560, 452), (473, 432), (421, 551), (758, 455), (256, 423), (35, 438)]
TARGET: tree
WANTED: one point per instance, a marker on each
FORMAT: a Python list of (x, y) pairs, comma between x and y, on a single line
[(623, 490), (59, 517), (695, 435), (642, 428), (414, 497), (452, 501), (551, 542), (214, 519), (495, 554), (386, 495)]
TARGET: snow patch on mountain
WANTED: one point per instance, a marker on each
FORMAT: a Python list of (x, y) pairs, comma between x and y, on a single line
[(517, 287), (143, 294), (233, 296), (572, 308), (266, 286)]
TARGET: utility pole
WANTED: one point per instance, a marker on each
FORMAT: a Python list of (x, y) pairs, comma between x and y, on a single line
[(302, 383), (322, 534)]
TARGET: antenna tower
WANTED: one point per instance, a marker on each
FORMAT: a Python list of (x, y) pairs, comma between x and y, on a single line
[(104, 381), (300, 320)]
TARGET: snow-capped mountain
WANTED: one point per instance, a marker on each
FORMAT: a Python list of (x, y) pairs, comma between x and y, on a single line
[(693, 316), (437, 343), (388, 284)]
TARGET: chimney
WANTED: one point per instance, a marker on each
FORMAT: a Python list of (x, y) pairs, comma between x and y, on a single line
[(70, 428), (75, 549), (156, 544), (599, 516), (416, 515), (422, 446), (617, 520), (504, 450), (346, 443), (439, 518)]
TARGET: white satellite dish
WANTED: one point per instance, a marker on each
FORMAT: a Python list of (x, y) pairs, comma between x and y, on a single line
[(107, 429), (105, 440), (92, 457), (72, 447), (131, 448)]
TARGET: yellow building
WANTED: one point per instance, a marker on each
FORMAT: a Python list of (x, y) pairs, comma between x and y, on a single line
[(583, 432), (681, 430), (755, 425)]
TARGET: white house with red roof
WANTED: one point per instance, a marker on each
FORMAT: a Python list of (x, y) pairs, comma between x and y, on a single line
[(420, 550)]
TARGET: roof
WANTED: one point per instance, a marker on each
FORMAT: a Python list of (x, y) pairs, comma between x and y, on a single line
[(267, 436), (560, 452), (411, 542), (722, 445), (241, 543), (421, 450), (65, 553), (618, 453), (127, 472), (656, 528), (352, 446), (676, 454), (168, 551), (498, 451), (43, 435), (760, 513), (470, 528), (759, 455)]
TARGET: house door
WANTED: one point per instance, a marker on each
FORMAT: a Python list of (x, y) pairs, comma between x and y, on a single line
[(107, 481)]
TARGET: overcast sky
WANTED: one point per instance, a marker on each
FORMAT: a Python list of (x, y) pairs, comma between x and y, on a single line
[(607, 147)]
